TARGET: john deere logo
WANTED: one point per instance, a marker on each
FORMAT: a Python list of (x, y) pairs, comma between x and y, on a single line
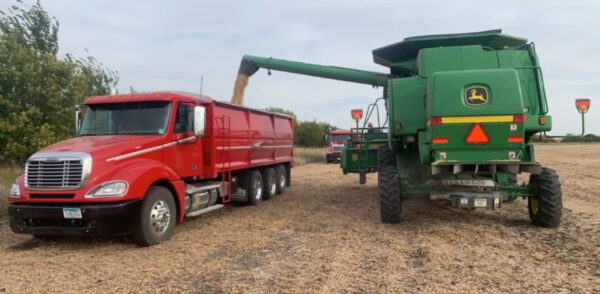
[(354, 156), (476, 95)]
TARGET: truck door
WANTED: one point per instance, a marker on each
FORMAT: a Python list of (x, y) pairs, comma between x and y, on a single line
[(185, 157)]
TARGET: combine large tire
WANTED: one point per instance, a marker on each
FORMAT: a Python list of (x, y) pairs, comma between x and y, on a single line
[(390, 201), (545, 207)]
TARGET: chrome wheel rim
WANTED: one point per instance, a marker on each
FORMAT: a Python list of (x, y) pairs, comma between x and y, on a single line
[(273, 188), (258, 188), (160, 217), (282, 181)]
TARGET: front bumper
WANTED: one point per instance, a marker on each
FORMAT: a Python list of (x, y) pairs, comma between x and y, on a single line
[(102, 219), (332, 157)]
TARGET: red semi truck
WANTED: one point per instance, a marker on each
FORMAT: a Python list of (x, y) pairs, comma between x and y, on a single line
[(337, 141), (143, 162)]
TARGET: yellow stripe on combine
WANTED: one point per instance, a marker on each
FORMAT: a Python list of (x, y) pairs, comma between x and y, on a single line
[(475, 119)]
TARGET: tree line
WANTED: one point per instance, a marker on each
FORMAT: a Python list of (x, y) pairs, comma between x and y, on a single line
[(38, 89), (307, 133)]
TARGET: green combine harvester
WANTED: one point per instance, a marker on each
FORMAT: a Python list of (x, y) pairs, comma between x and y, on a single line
[(461, 112)]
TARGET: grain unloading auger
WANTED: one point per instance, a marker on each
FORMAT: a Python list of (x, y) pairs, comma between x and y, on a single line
[(461, 110)]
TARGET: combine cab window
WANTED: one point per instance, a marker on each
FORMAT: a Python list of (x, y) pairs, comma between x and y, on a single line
[(185, 118)]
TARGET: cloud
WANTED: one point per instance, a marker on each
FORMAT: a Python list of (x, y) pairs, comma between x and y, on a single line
[(156, 45)]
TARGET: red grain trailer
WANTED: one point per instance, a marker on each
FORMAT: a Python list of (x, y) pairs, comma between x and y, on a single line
[(142, 162)]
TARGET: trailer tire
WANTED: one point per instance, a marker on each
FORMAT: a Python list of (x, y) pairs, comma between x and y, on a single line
[(254, 186), (281, 178), (545, 206), (390, 200), (269, 183), (157, 217)]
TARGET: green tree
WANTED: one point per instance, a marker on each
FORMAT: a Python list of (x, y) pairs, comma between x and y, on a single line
[(39, 90), (307, 133)]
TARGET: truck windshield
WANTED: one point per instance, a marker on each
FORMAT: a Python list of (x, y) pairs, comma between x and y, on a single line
[(339, 137), (137, 118)]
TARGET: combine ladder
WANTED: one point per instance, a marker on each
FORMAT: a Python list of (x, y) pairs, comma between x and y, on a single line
[(224, 127)]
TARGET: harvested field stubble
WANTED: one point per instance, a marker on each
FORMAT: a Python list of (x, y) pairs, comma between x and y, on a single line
[(324, 235)]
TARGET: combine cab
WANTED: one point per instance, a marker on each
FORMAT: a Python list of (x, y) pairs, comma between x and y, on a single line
[(461, 112)]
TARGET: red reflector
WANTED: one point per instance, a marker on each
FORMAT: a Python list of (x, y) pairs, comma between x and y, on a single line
[(477, 135), (440, 140), (398, 126), (542, 121), (519, 118), (515, 139), (435, 121)]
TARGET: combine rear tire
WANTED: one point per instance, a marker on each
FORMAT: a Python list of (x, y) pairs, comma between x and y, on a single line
[(390, 201), (545, 207), (269, 183)]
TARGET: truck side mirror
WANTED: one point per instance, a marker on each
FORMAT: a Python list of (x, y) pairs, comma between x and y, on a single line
[(77, 119), (199, 120)]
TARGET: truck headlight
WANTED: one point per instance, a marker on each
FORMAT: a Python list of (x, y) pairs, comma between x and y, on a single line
[(15, 191), (112, 188)]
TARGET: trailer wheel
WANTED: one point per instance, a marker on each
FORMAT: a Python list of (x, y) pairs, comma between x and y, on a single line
[(255, 188), (269, 183), (281, 178), (390, 200), (545, 206), (157, 217)]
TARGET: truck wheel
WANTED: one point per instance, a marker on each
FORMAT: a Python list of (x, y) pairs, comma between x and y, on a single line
[(545, 206), (255, 188), (157, 217), (390, 201), (269, 183), (281, 178)]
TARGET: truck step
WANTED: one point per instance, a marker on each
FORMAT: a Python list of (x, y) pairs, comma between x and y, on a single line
[(204, 210)]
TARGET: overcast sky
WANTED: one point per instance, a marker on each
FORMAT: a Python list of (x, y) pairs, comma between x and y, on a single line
[(160, 45)]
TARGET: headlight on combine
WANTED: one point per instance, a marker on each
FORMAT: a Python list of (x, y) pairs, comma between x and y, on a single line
[(108, 189), (15, 191)]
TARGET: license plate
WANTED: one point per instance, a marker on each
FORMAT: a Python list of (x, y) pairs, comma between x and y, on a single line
[(72, 213), (480, 202)]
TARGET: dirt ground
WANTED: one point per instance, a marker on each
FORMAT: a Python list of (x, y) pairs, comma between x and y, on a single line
[(324, 235)]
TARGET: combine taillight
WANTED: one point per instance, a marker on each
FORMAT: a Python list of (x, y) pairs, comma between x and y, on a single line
[(477, 135), (519, 118), (515, 139), (435, 121), (440, 140)]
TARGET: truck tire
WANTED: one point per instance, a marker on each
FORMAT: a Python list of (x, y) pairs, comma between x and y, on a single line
[(281, 178), (269, 183), (157, 217), (545, 206), (390, 200), (254, 186)]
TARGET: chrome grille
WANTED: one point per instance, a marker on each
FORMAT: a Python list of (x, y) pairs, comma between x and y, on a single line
[(56, 171), (338, 148)]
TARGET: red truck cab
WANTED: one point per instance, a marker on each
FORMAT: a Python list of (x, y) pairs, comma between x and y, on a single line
[(143, 162), (337, 142)]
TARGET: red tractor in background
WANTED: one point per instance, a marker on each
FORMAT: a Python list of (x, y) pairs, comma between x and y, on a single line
[(337, 142)]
